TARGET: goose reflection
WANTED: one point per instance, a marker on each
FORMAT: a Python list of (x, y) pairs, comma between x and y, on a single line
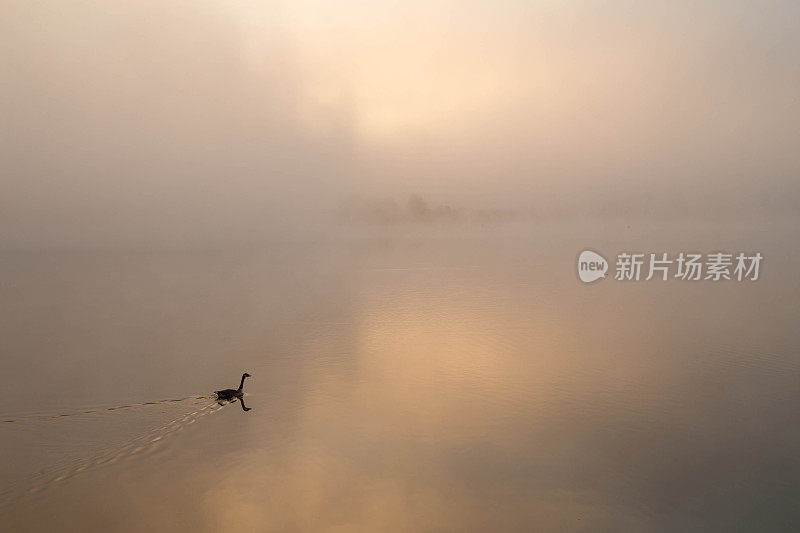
[(234, 400)]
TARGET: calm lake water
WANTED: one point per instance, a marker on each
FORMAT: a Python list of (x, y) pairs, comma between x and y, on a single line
[(402, 381)]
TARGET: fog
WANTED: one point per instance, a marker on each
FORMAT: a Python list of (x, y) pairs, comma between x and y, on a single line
[(375, 210), (191, 123)]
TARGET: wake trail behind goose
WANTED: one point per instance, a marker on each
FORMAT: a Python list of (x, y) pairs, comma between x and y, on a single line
[(95, 438)]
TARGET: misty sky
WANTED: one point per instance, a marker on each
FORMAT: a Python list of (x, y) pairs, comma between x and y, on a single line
[(186, 121)]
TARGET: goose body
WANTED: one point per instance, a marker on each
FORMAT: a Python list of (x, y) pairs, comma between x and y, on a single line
[(230, 394)]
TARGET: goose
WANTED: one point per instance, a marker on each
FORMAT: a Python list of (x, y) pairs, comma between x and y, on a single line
[(231, 394)]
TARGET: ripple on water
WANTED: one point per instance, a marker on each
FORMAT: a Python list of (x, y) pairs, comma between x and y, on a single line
[(45, 449)]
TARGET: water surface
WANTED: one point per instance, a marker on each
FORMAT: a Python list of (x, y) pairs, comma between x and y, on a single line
[(440, 382)]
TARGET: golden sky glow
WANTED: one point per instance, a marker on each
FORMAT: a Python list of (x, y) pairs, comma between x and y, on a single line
[(271, 112)]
